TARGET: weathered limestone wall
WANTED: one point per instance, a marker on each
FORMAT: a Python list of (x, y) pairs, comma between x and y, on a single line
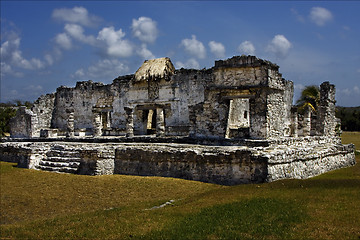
[(302, 157), (43, 108), (221, 165), (23, 125), (79, 100), (270, 95), (308, 161)]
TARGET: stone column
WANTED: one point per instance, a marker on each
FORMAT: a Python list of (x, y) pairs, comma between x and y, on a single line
[(307, 122), (294, 122), (70, 125), (326, 111), (97, 124), (160, 122), (108, 120), (129, 121)]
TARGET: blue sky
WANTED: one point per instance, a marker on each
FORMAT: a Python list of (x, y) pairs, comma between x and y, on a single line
[(46, 44)]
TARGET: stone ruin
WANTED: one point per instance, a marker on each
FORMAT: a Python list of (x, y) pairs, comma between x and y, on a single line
[(230, 124)]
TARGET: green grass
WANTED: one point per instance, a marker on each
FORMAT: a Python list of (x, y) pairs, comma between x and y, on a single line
[(43, 205), (352, 137)]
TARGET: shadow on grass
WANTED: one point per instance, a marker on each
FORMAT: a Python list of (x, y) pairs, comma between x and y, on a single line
[(319, 183), (258, 218)]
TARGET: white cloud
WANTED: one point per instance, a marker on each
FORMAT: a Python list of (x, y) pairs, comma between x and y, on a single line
[(348, 91), (49, 59), (109, 40), (11, 55), (299, 17), (78, 15), (77, 32), (191, 63), (110, 36), (115, 45), (356, 89), (102, 70), (79, 74), (194, 47), (144, 52), (145, 29), (299, 86), (280, 46), (217, 49), (348, 96), (34, 88), (345, 91), (64, 41), (246, 48), (320, 16), (6, 69)]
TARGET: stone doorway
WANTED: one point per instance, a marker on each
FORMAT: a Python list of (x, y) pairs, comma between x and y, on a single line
[(154, 120), (238, 118), (150, 121)]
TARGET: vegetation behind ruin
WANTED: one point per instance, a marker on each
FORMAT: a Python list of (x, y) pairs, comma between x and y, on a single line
[(44, 205), (350, 118)]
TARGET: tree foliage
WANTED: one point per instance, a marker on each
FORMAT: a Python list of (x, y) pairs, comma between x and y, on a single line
[(350, 118), (310, 97), (7, 111)]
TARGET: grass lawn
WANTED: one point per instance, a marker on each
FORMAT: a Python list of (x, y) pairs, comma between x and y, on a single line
[(43, 205)]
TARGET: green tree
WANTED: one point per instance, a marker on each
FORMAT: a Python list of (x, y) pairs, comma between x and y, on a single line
[(310, 97), (6, 113), (350, 118)]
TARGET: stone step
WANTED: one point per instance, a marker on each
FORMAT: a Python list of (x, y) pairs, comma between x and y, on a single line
[(59, 164), (64, 153), (63, 159), (58, 169)]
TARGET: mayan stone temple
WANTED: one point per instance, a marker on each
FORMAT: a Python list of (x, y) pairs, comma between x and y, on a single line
[(233, 123)]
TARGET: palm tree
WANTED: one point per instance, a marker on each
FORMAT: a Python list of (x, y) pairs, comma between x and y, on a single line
[(310, 97)]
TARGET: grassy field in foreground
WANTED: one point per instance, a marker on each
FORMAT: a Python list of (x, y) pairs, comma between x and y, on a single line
[(43, 205)]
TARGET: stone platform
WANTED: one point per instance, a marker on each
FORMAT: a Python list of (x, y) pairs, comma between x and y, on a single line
[(251, 161)]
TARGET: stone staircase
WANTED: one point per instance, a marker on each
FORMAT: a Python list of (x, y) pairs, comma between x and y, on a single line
[(60, 159)]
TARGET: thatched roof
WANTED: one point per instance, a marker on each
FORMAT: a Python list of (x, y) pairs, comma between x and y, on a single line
[(155, 69)]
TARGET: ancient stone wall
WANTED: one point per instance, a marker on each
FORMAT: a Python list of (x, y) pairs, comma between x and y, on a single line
[(228, 165), (43, 108), (307, 159), (79, 100), (23, 125), (220, 165)]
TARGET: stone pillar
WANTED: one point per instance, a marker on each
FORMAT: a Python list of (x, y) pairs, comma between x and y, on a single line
[(294, 122), (70, 125), (108, 123), (129, 121), (149, 119), (97, 124), (160, 122), (307, 122), (326, 111)]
